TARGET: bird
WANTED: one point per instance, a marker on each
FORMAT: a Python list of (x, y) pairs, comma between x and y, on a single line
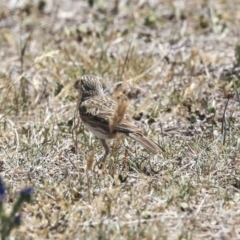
[(105, 118)]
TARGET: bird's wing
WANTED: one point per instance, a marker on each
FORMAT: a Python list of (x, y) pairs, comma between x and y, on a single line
[(127, 126), (97, 111)]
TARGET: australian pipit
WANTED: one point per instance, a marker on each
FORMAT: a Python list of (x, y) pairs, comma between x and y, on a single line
[(105, 118)]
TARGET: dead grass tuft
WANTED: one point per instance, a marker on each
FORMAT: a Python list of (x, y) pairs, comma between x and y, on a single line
[(122, 105)]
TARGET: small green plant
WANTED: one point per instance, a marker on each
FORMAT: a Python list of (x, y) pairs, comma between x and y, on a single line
[(12, 220), (237, 53)]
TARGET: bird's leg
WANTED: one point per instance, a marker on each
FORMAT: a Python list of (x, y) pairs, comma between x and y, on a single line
[(105, 154), (106, 148)]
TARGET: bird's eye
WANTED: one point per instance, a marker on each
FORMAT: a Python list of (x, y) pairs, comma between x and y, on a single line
[(85, 87)]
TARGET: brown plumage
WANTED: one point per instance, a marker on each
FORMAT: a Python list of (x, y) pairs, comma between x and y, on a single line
[(105, 118)]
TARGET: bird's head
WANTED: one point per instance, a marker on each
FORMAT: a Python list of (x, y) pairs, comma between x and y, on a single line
[(89, 86)]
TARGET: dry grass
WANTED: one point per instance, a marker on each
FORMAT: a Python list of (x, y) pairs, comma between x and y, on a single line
[(175, 60), (119, 113)]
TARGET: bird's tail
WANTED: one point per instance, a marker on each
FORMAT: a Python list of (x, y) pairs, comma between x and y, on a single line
[(146, 143)]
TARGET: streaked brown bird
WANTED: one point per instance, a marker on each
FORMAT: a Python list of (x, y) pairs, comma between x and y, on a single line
[(105, 118)]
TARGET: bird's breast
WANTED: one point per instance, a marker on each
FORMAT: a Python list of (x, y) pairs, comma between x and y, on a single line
[(98, 131)]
